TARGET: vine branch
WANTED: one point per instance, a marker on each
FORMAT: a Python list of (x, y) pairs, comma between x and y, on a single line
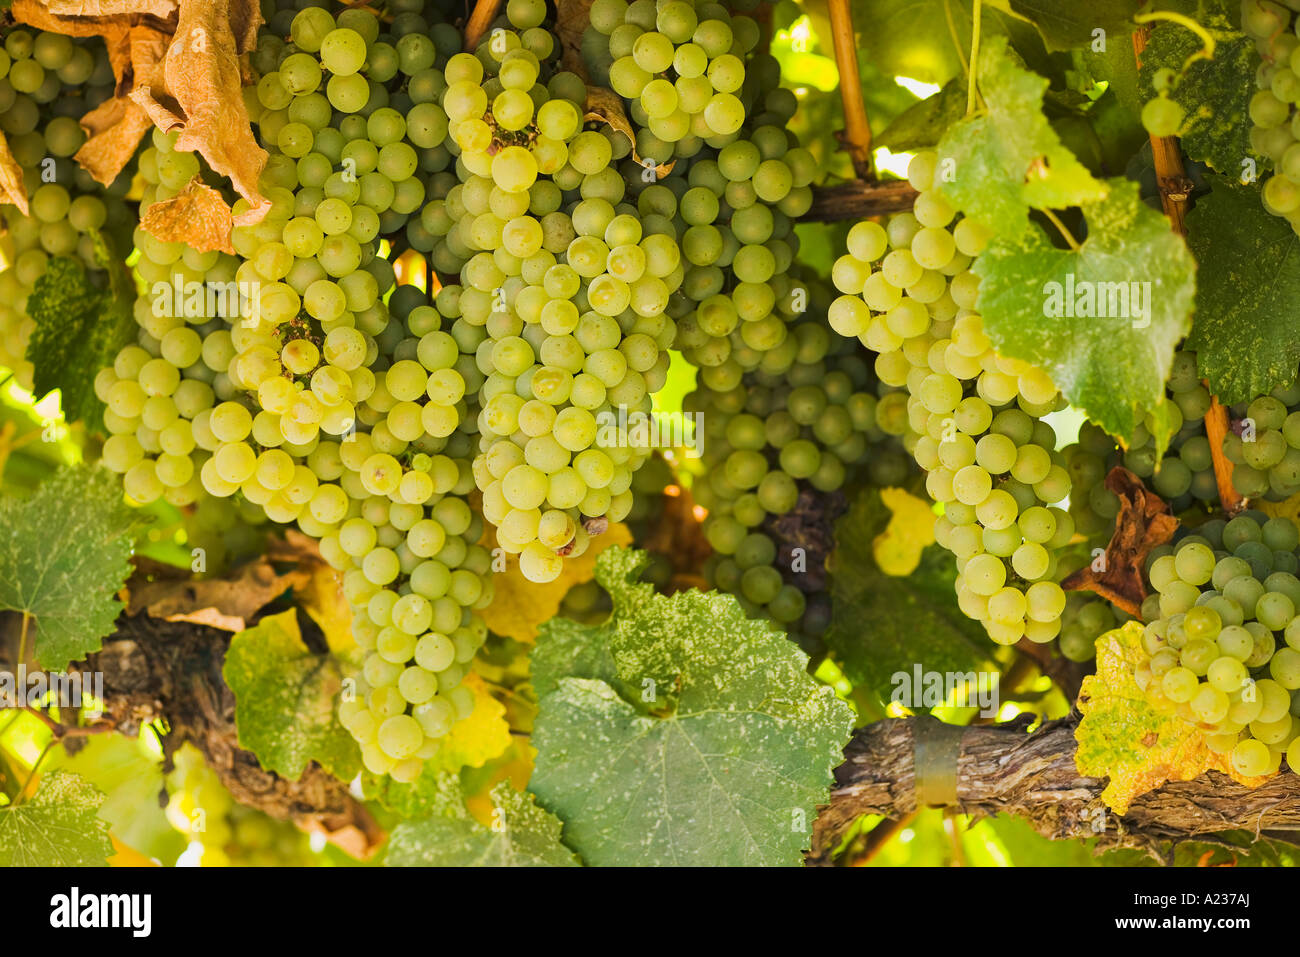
[(485, 11), (857, 200), (856, 138), (1002, 769)]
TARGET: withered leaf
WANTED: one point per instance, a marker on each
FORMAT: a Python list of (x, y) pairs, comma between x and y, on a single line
[(161, 9), (34, 13), (12, 189), (606, 106), (572, 17), (228, 602), (1144, 522), (113, 131), (197, 215), (200, 94)]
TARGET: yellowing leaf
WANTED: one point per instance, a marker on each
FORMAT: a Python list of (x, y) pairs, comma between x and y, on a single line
[(1288, 508), (1122, 737), (480, 737), (897, 550), (520, 606), (124, 856)]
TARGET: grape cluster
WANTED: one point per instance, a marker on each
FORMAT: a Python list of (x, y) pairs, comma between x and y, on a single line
[(1274, 130), (971, 416), (681, 66), (1222, 638), (47, 82)]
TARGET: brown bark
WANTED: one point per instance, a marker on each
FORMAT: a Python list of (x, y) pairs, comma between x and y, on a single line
[(858, 200)]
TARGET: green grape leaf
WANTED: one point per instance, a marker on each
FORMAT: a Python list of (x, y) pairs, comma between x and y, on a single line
[(131, 780), (882, 625), (285, 700), (996, 166), (685, 733), (922, 124), (79, 329), (1246, 334), (63, 557), (435, 792), (521, 835), (1214, 93), (1065, 26), (1103, 321), (57, 827)]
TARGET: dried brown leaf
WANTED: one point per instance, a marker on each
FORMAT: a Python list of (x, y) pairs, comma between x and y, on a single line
[(1144, 523), (113, 131), (197, 215), (162, 9), (12, 188), (200, 94), (606, 106), (234, 599), (572, 17), (33, 13)]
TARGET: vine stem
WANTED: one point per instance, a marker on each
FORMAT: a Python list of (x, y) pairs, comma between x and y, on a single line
[(485, 11), (972, 87), (1175, 189), (856, 138), (31, 776)]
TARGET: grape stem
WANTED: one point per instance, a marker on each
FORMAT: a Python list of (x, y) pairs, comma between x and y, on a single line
[(485, 11), (1175, 187), (858, 199), (972, 87), (856, 138), (1216, 428)]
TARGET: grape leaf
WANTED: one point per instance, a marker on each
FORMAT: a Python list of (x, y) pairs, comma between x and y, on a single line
[(480, 737), (78, 331), (882, 625), (521, 835), (435, 792), (63, 556), (1009, 159), (57, 827), (1065, 26), (898, 549), (119, 766), (922, 124), (285, 698), (1214, 93), (1123, 738), (1114, 369), (707, 744), (1246, 334)]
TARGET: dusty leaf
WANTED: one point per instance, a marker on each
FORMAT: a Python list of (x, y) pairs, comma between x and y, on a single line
[(200, 94), (480, 737), (1123, 738), (58, 827), (520, 606), (1143, 523), (897, 550), (197, 216), (606, 106), (12, 190)]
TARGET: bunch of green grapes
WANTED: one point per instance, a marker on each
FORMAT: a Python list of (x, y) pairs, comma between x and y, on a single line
[(47, 83), (680, 65), (160, 391), (231, 835), (1274, 131), (1221, 649), (974, 417), (772, 435), (563, 299), (1264, 444), (1086, 618)]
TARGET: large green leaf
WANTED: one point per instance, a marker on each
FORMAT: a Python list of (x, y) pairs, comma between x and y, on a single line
[(57, 827), (1247, 332), (1214, 93), (883, 625), (521, 835), (996, 166), (286, 698), (63, 558), (686, 733), (1108, 360), (79, 329)]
